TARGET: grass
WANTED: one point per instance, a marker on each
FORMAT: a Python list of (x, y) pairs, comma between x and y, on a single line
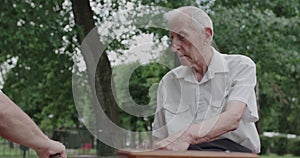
[(8, 150), (17, 153), (278, 156)]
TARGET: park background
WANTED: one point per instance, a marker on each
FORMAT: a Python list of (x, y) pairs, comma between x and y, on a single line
[(40, 43)]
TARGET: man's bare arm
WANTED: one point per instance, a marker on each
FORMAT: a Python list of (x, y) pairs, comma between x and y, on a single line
[(207, 130), (221, 124), (17, 126)]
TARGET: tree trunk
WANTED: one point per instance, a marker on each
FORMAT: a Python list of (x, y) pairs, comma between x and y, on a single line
[(83, 15)]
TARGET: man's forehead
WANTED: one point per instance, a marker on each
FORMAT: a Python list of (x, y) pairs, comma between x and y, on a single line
[(180, 32), (178, 26)]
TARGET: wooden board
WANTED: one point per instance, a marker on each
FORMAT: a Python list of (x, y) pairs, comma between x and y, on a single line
[(183, 154)]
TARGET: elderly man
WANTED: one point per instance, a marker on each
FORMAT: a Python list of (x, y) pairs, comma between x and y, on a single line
[(16, 126), (209, 102)]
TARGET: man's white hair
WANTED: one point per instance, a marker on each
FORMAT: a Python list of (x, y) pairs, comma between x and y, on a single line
[(197, 18)]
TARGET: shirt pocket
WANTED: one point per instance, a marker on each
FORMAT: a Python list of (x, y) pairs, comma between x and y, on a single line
[(178, 117), (178, 110), (216, 107), (217, 103)]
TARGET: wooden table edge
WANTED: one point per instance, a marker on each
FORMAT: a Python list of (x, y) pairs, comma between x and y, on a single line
[(189, 153)]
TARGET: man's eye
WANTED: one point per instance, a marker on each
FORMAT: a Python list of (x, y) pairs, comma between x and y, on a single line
[(181, 38)]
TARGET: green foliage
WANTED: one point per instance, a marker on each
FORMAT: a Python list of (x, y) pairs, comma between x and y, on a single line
[(279, 7), (272, 41), (279, 145), (294, 146), (168, 4), (277, 156), (141, 81), (40, 82), (266, 143)]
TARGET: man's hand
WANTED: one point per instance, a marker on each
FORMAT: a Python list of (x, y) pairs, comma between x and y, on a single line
[(181, 140), (194, 134), (174, 146), (54, 147)]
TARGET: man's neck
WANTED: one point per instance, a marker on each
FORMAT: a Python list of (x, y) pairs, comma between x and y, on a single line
[(200, 72), (201, 69)]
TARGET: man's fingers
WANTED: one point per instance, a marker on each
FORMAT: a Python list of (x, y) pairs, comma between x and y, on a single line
[(64, 155), (57, 155), (163, 143)]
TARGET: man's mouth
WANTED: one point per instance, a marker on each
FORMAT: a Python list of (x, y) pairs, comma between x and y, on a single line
[(184, 56)]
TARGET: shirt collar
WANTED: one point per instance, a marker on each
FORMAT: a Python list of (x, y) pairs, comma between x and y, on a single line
[(182, 71), (216, 65)]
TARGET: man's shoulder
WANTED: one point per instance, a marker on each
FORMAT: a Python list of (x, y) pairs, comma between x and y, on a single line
[(176, 72), (237, 60)]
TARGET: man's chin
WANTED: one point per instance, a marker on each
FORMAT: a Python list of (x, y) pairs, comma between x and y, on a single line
[(186, 64), (184, 61)]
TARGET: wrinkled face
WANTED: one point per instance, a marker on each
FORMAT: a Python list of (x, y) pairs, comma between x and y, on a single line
[(187, 42)]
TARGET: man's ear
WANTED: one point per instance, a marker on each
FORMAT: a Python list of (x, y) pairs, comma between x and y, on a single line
[(208, 33)]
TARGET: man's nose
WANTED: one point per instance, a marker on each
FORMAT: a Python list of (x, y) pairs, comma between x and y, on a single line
[(175, 46)]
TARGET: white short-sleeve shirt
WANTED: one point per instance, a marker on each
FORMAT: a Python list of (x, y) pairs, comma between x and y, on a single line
[(181, 100)]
